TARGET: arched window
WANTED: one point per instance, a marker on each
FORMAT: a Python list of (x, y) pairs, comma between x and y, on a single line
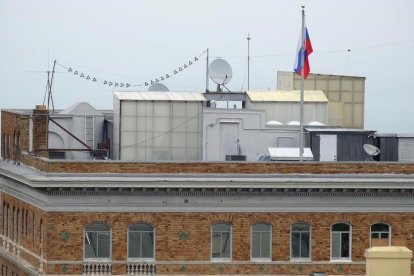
[(261, 243), (301, 241), (221, 241), (381, 231), (97, 241), (341, 241), (141, 241)]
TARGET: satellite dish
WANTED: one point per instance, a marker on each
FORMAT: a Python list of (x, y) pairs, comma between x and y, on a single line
[(372, 151), (158, 87), (220, 72)]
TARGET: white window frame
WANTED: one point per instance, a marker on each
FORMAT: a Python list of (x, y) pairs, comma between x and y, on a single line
[(110, 243), (251, 243), (215, 259), (308, 259), (342, 259), (153, 246), (370, 232)]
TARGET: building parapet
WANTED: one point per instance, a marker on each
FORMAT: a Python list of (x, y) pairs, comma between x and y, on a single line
[(110, 166)]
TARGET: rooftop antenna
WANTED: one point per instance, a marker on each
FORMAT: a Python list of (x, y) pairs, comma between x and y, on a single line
[(248, 61), (372, 151), (221, 73), (48, 91)]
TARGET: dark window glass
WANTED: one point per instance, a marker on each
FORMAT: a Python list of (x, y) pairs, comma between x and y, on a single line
[(221, 241), (141, 241), (300, 241), (97, 241)]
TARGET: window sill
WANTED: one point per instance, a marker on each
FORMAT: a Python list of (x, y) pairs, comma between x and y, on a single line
[(97, 260), (257, 260), (221, 260), (341, 261), (300, 260), (138, 260)]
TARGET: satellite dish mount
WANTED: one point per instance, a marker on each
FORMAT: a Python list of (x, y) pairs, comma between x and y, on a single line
[(371, 151), (221, 73)]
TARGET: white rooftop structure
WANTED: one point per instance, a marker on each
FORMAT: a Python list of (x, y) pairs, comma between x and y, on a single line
[(161, 96), (81, 108), (289, 154), (286, 96)]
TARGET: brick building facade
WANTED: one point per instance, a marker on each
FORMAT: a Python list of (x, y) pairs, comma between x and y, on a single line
[(126, 218)]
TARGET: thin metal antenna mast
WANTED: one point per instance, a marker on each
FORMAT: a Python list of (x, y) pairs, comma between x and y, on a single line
[(207, 73), (248, 61), (50, 96)]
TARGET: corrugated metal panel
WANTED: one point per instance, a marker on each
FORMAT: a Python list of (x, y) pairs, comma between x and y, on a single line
[(286, 96), (161, 96), (388, 145), (405, 149)]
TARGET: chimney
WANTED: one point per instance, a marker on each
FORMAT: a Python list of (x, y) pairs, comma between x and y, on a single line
[(40, 130)]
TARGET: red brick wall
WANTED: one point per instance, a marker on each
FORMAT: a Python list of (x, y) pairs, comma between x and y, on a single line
[(197, 247), (40, 132), (217, 167), (12, 123), (28, 230), (7, 269), (169, 246)]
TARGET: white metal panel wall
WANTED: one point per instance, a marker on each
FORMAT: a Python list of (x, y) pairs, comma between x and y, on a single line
[(328, 147), (160, 130), (254, 137), (406, 149), (116, 130), (285, 112)]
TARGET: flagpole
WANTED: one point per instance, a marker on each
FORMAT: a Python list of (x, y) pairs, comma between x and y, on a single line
[(248, 61), (207, 73), (302, 86)]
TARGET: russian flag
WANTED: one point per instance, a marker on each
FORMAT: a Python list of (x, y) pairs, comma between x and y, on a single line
[(308, 51)]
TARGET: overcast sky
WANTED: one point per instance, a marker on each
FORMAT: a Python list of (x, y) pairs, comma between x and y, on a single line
[(136, 41)]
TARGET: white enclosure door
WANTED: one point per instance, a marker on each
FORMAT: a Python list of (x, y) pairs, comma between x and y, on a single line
[(229, 136), (327, 147)]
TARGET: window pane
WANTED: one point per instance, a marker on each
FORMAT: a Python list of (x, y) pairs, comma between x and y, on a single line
[(225, 239), (304, 245), (345, 245), (380, 227), (375, 235), (265, 244), (261, 227), (215, 244), (384, 236), (91, 249), (104, 245), (141, 227), (340, 227), (97, 227), (134, 245), (147, 245), (295, 245), (300, 227), (336, 243), (221, 227), (255, 245)]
